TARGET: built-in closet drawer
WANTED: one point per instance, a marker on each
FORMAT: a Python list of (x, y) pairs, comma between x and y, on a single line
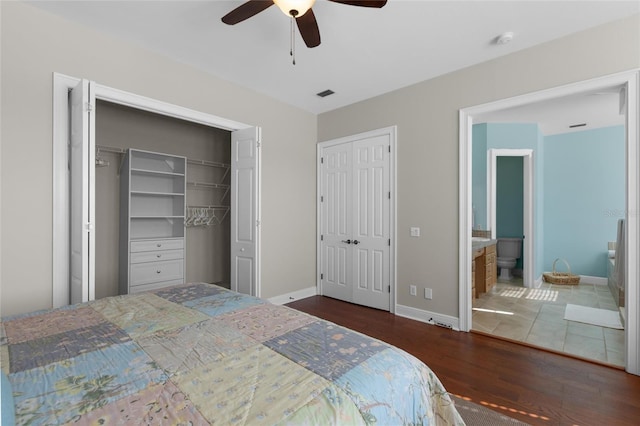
[(153, 286), (145, 273), (153, 245), (156, 256)]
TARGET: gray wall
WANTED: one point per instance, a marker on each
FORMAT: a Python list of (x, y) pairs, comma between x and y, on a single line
[(208, 258), (427, 118), (35, 44)]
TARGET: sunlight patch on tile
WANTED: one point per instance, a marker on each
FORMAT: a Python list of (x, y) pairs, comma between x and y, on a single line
[(540, 294), (513, 292)]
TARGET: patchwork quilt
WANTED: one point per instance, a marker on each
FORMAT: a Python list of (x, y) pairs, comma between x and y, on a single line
[(200, 354)]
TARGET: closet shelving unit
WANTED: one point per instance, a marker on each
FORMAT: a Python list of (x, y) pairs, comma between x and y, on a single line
[(212, 214), (152, 221)]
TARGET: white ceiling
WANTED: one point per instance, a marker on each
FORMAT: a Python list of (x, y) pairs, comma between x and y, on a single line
[(589, 110), (364, 52)]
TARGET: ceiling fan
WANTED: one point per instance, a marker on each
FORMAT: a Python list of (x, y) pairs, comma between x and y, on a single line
[(300, 10)]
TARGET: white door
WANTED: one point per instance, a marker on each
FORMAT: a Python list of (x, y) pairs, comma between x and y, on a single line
[(355, 222), (82, 158), (245, 214), (371, 205), (336, 221)]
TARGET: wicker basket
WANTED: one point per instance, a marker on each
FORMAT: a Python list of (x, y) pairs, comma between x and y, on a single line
[(561, 277)]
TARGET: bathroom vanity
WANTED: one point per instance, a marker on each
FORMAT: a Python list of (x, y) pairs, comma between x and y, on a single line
[(484, 268)]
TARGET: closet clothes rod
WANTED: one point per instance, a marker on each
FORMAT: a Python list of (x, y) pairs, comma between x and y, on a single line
[(190, 206), (209, 185), (111, 149), (208, 163), (101, 162)]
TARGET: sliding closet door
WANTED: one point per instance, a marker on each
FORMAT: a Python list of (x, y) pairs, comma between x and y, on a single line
[(82, 157), (245, 213)]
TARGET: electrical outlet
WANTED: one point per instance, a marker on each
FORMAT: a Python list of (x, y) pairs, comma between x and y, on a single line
[(415, 231), (413, 290), (428, 293)]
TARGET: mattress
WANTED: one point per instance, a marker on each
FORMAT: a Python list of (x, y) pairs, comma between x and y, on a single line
[(201, 354)]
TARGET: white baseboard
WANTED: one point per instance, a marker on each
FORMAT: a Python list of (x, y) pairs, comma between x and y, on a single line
[(428, 317), (586, 279), (294, 295), (538, 283)]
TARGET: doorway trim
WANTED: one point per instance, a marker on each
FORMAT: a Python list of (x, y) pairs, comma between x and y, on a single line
[(528, 199), (62, 84), (631, 81)]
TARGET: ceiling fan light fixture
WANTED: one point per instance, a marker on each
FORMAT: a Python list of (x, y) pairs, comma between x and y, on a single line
[(294, 8)]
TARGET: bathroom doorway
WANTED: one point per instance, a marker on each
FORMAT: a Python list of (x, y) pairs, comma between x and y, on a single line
[(626, 85), (517, 195)]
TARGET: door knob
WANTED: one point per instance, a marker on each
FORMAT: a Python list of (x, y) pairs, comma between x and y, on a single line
[(356, 242), (346, 241)]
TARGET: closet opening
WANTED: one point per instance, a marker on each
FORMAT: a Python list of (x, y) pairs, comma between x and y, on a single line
[(201, 202), (221, 165)]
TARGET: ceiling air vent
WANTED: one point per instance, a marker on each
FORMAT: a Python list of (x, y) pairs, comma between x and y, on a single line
[(325, 93), (573, 126)]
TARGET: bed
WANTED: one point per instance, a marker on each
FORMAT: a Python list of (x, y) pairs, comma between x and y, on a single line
[(201, 354)]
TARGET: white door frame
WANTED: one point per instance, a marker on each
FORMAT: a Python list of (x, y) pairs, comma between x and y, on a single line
[(62, 84), (392, 132), (527, 207), (631, 81)]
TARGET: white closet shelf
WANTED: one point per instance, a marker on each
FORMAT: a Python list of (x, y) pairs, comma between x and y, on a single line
[(160, 194), (155, 172), (156, 238)]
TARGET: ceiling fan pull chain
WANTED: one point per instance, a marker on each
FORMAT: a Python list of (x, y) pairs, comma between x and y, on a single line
[(292, 51)]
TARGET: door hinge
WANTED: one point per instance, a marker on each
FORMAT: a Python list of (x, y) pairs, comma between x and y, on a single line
[(89, 106), (389, 242), (389, 194), (321, 276), (389, 148), (257, 223), (322, 198), (388, 289), (321, 237), (321, 160)]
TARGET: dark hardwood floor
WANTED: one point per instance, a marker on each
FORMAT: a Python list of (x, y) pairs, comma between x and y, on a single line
[(529, 384)]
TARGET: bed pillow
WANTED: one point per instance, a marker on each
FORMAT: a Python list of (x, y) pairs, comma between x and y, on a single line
[(8, 413)]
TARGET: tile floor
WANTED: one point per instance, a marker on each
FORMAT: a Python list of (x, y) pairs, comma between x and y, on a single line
[(536, 316)]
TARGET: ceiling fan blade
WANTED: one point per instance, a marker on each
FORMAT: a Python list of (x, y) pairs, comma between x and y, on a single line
[(246, 11), (308, 27), (363, 3)]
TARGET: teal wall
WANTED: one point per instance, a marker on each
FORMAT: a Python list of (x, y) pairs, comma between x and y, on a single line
[(578, 191), (584, 186), (509, 136), (509, 197), (479, 175)]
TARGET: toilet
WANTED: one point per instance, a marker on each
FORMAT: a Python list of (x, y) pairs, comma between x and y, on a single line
[(509, 251)]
